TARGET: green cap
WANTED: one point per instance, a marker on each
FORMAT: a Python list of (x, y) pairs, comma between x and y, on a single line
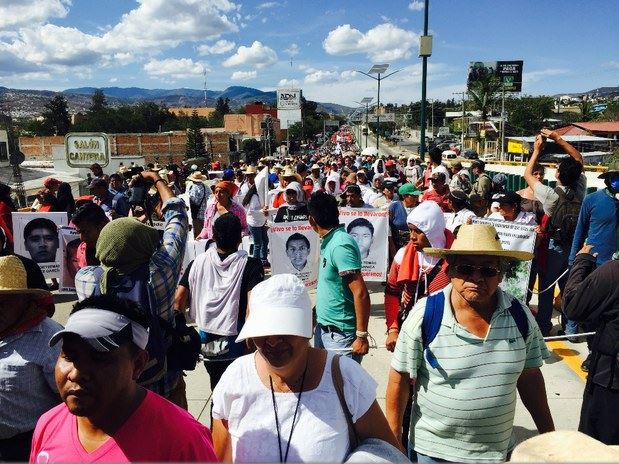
[(408, 189)]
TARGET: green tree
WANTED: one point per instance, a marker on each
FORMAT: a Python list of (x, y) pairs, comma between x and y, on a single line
[(526, 114), (484, 94), (195, 140), (585, 107), (99, 102), (611, 113), (56, 119), (252, 149), (222, 106)]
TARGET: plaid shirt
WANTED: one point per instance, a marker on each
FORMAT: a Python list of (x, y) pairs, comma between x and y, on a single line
[(164, 268)]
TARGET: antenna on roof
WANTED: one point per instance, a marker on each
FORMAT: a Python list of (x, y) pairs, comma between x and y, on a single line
[(205, 99)]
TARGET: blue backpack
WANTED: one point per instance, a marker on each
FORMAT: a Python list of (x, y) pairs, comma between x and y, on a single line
[(135, 287), (433, 316)]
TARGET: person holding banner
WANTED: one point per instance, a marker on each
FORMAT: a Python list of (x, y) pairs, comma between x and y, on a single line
[(295, 208), (510, 210)]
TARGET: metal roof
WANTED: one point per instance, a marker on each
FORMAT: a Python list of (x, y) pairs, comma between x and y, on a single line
[(567, 138)]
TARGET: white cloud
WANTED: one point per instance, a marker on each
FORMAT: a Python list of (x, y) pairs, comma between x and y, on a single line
[(321, 77), (113, 79), (54, 45), (243, 75), (611, 65), (415, 5), (184, 68), (157, 24), (384, 42), (219, 47), (258, 55), (537, 76), (348, 75), (293, 49), (267, 5), (26, 12), (288, 83), (263, 20)]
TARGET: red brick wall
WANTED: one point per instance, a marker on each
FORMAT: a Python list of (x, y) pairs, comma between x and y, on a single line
[(166, 146)]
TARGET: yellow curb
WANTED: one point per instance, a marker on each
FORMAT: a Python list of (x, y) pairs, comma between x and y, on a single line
[(573, 361)]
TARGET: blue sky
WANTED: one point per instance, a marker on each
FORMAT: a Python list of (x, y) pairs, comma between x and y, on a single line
[(566, 46)]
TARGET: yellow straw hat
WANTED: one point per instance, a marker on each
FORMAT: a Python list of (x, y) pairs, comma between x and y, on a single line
[(14, 279), (478, 239)]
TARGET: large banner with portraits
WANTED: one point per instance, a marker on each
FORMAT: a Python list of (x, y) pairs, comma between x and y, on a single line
[(516, 237), (369, 228), (36, 237), (295, 249)]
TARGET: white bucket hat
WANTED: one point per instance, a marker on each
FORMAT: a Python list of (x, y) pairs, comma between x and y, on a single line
[(278, 306)]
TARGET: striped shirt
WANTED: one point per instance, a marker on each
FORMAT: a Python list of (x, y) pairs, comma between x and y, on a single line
[(464, 410), (27, 385)]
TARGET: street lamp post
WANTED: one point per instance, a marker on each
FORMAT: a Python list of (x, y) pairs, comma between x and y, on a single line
[(366, 101), (378, 69)]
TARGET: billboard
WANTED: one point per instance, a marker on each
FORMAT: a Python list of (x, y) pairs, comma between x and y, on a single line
[(508, 72), (288, 99), (85, 148)]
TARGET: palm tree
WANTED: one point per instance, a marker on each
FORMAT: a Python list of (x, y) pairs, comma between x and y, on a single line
[(484, 94)]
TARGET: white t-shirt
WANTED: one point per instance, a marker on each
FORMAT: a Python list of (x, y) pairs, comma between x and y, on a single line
[(253, 211), (320, 433)]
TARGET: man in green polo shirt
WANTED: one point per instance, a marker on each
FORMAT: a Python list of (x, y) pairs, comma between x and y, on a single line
[(342, 301)]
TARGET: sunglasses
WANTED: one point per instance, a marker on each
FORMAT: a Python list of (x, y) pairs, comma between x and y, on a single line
[(468, 270)]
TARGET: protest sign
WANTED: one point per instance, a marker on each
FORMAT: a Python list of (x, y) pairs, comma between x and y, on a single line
[(369, 228), (36, 236), (295, 249), (517, 237), (69, 242)]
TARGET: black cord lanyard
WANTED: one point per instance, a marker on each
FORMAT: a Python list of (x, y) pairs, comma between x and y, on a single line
[(284, 458)]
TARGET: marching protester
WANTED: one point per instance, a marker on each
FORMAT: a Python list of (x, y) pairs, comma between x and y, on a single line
[(289, 401), (458, 202), (343, 302), (137, 264), (114, 205), (216, 287), (225, 191), (198, 199), (27, 385), (89, 220), (257, 224), (102, 355), (510, 209), (398, 212), (591, 296), (482, 186), (295, 208), (497, 339), (439, 192), (562, 205), (64, 199), (7, 206)]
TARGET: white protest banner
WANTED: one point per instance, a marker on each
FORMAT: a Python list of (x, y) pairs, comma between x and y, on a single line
[(36, 236), (295, 249), (262, 185), (69, 242), (369, 228), (517, 237)]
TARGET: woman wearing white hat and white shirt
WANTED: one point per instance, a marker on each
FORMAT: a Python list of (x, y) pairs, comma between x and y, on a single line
[(280, 403)]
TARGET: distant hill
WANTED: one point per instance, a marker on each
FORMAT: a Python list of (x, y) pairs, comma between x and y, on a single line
[(600, 92), (30, 103)]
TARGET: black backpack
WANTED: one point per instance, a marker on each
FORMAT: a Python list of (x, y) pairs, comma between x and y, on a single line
[(565, 217)]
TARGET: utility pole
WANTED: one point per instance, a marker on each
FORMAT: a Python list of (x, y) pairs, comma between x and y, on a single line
[(425, 50), (462, 135), (502, 122)]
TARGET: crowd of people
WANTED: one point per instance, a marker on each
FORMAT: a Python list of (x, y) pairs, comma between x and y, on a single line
[(286, 373)]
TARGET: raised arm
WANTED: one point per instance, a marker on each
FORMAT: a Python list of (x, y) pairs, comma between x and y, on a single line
[(569, 149), (528, 172)]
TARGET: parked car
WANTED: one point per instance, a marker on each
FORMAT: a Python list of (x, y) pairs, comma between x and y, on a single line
[(470, 154), (488, 157), (449, 155)]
